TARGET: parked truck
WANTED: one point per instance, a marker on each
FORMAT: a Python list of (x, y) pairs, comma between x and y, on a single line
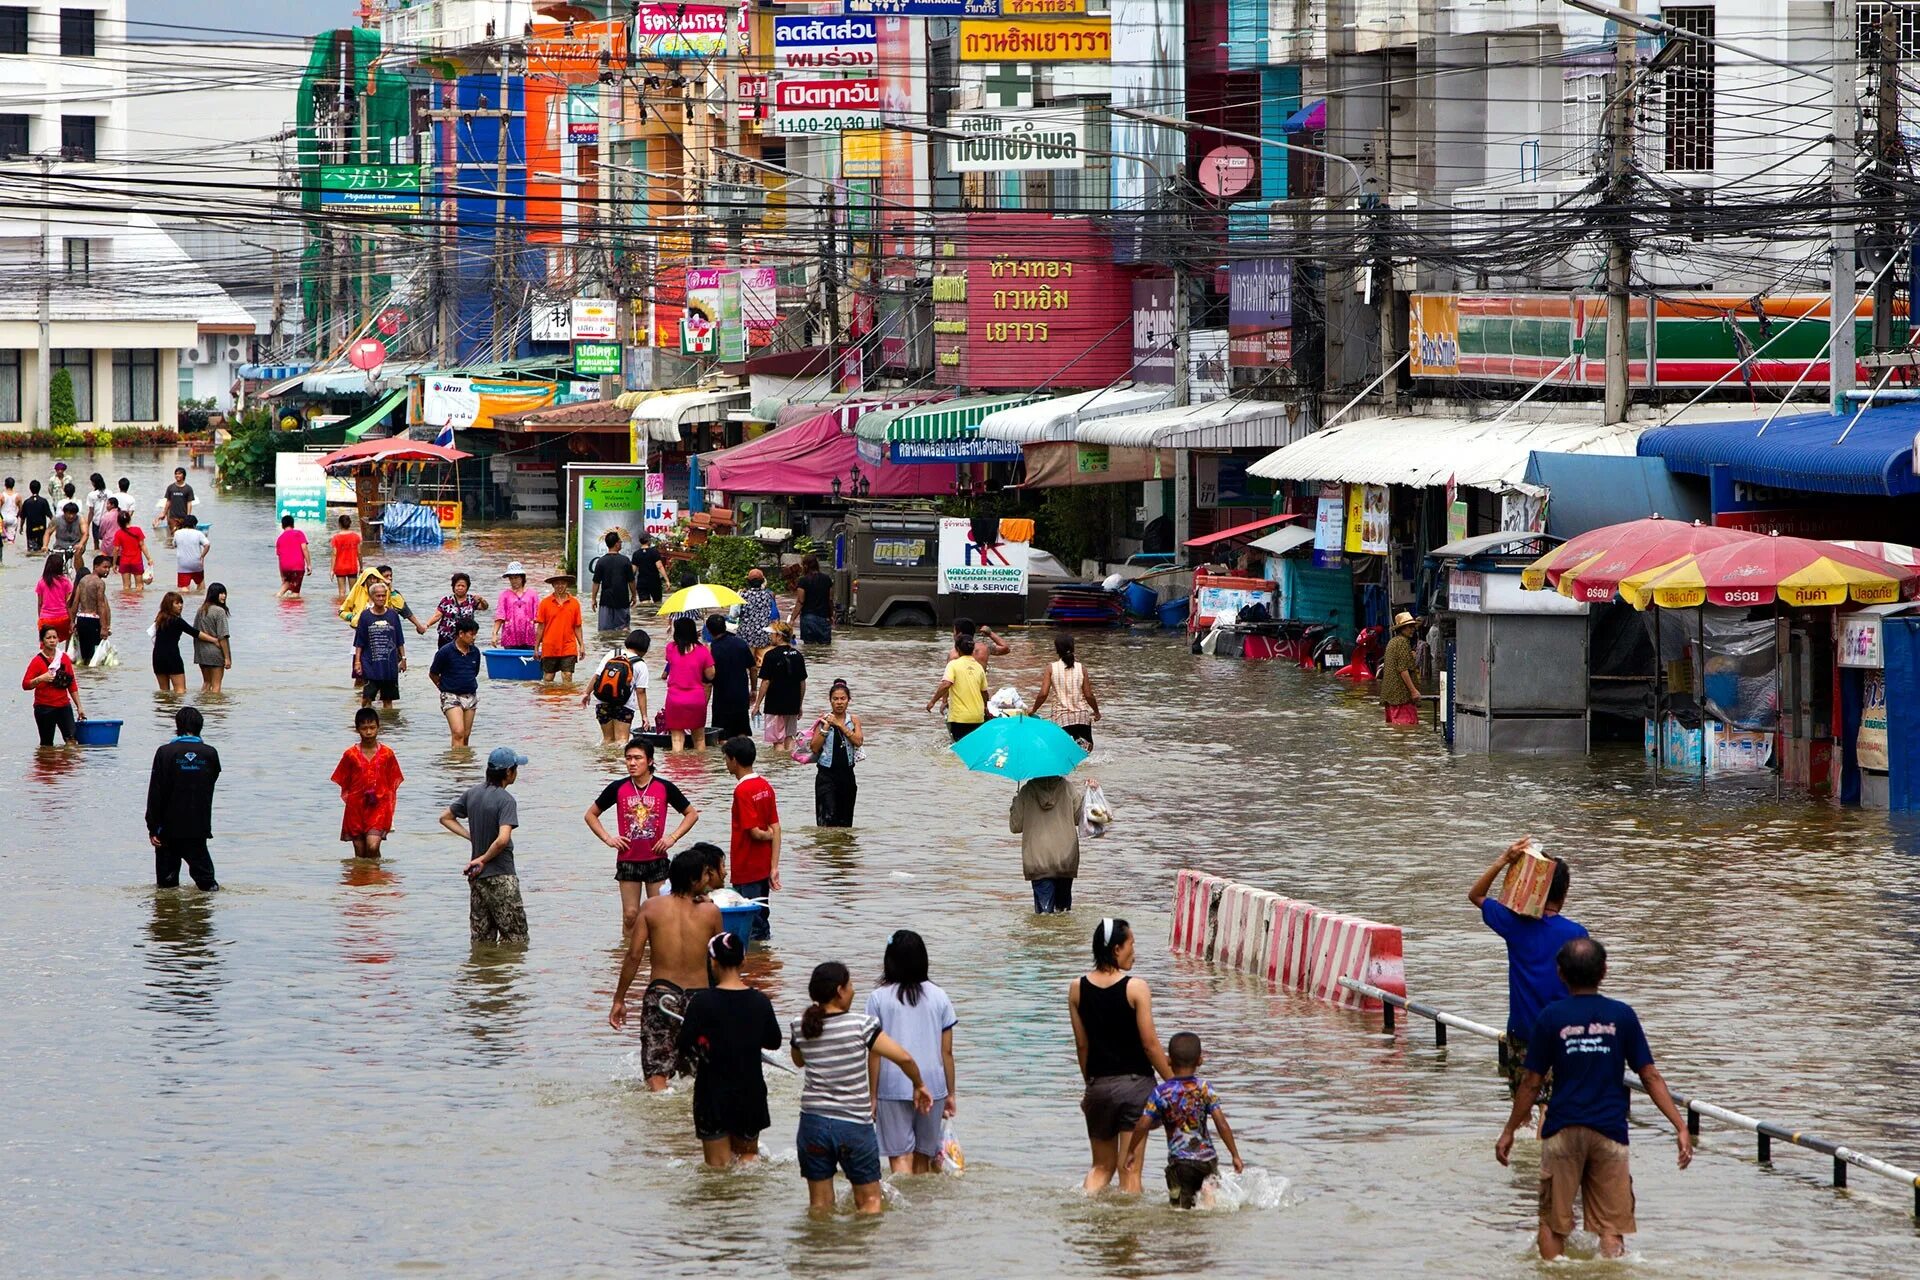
[(886, 570)]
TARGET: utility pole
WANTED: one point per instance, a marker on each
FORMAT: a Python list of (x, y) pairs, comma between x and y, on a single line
[(1886, 162), (1182, 396), (44, 373), (1620, 245), (830, 282), (1846, 124), (1391, 331)]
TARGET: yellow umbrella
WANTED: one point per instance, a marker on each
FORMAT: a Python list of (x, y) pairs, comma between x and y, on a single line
[(1799, 572), (702, 595)]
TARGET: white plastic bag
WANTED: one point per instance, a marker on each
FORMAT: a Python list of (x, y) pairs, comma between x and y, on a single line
[(105, 655), (1006, 703), (1095, 816)]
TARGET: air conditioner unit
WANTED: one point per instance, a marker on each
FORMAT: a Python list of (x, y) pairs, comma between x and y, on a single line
[(236, 352), (195, 355)]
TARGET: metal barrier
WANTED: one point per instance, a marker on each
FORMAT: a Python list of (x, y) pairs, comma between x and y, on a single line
[(1765, 1131)]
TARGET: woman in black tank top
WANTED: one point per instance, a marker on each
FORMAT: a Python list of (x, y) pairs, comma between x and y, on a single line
[(1119, 1051)]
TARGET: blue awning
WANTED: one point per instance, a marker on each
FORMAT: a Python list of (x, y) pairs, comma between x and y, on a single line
[(1310, 117), (1801, 453), (1591, 491)]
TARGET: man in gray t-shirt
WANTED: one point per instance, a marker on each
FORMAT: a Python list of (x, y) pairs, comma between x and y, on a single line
[(495, 912)]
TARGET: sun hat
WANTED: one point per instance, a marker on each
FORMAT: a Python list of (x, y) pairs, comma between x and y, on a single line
[(515, 570), (1403, 619), (560, 577)]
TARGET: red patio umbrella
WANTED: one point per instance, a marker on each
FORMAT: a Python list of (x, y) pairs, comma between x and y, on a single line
[(1597, 578)]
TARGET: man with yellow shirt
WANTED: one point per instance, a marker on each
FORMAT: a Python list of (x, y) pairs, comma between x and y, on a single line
[(964, 689)]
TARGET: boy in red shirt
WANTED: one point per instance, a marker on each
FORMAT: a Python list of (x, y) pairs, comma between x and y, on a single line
[(754, 859)]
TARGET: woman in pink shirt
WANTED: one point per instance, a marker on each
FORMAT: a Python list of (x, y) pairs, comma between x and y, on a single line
[(291, 548), (513, 611), (55, 591)]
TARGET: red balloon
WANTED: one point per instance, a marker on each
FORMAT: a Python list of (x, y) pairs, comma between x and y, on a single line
[(367, 353)]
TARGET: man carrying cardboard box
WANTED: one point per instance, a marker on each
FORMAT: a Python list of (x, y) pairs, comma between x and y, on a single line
[(1533, 981)]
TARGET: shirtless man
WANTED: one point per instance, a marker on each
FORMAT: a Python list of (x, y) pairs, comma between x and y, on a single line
[(679, 925)]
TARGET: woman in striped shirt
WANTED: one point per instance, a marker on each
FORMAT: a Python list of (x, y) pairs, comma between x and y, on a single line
[(835, 1047)]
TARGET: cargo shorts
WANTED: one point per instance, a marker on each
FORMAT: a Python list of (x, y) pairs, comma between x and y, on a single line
[(1583, 1160)]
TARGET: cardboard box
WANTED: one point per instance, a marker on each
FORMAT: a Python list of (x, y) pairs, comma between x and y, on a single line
[(1527, 883)]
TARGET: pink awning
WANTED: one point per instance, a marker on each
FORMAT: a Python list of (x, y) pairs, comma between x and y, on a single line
[(1240, 530), (391, 449), (804, 459)]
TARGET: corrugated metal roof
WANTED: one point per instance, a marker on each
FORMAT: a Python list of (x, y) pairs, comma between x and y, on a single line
[(1423, 452), (1056, 418), (1802, 452), (1218, 424), (941, 420), (665, 412)]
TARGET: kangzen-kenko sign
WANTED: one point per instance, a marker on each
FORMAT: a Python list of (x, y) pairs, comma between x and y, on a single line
[(826, 106), (825, 44)]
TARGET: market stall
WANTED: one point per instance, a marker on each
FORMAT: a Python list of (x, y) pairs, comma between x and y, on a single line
[(407, 489)]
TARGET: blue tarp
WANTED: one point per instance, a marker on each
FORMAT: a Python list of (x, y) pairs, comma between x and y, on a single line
[(1590, 491), (1900, 642), (407, 525), (1801, 452)]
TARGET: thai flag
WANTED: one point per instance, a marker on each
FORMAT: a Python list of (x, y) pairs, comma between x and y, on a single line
[(445, 438)]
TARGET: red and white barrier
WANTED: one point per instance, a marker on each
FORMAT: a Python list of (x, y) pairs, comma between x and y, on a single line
[(1295, 945)]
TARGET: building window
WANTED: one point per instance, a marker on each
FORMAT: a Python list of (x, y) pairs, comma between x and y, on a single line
[(1583, 108), (13, 136), (79, 258), (136, 386), (13, 28), (1689, 92), (79, 364), (77, 137), (183, 380), (76, 33), (9, 386)]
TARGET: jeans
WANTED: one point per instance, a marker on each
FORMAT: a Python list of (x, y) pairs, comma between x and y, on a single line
[(1052, 894), (171, 853), (827, 1144), (763, 920), (816, 628)]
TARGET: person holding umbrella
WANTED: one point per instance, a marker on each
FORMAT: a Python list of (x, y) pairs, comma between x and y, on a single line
[(1399, 694), (1045, 813)]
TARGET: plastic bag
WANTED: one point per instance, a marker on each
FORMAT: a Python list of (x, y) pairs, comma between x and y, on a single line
[(104, 655), (1006, 703), (1095, 816), (953, 1160)]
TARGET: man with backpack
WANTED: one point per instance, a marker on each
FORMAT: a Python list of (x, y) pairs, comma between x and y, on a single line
[(618, 689)]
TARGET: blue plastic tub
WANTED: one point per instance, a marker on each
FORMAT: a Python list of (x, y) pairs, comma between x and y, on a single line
[(97, 733), (738, 921), (1174, 613), (512, 664), (1141, 600)]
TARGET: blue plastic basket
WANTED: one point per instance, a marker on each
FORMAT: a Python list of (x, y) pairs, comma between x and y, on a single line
[(512, 664), (738, 921), (1173, 613), (97, 733), (1141, 600)]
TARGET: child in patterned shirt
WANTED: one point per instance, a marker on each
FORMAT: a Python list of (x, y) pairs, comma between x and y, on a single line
[(1183, 1103)]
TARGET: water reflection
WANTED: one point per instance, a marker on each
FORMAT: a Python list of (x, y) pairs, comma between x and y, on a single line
[(183, 961), (366, 916), (495, 1007), (51, 764)]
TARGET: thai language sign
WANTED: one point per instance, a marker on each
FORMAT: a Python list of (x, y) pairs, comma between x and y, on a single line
[(824, 44), (664, 32), (927, 8), (979, 568), (997, 140), (826, 106), (1260, 293), (1037, 40), (371, 188), (594, 320)]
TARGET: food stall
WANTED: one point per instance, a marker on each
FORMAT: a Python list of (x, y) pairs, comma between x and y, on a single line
[(407, 489)]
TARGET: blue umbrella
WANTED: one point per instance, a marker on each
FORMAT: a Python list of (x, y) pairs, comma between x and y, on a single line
[(1020, 747)]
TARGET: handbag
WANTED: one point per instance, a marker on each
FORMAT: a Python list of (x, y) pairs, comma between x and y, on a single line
[(802, 751)]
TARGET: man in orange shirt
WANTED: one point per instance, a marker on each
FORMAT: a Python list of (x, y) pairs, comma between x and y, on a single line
[(557, 632)]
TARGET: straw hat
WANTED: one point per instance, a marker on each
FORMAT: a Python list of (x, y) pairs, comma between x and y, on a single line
[(560, 577), (1404, 619), (515, 570)]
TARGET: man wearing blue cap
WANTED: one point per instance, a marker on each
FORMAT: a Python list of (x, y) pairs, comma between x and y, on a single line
[(495, 911)]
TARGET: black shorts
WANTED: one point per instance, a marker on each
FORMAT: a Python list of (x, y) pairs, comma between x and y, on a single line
[(652, 871), (554, 666), (715, 1135), (1185, 1178), (1112, 1104), (384, 690), (956, 730), (613, 712)]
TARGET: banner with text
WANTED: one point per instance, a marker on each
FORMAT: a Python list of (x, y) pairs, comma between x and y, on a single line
[(824, 44), (1053, 138), (976, 568), (826, 106)]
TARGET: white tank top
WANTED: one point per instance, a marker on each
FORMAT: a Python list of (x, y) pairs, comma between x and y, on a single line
[(1069, 698)]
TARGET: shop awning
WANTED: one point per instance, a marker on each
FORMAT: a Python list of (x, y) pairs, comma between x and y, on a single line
[(942, 421), (271, 372), (1281, 541), (1057, 418), (1218, 424), (365, 422), (1593, 492), (663, 413), (1240, 530), (1423, 452), (1803, 452), (805, 458)]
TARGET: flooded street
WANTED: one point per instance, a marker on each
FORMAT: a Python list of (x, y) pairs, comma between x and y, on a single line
[(312, 1073)]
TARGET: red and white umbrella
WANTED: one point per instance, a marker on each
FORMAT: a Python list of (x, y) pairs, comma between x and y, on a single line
[(1892, 552)]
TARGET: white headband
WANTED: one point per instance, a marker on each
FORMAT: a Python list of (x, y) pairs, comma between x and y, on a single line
[(1106, 930)]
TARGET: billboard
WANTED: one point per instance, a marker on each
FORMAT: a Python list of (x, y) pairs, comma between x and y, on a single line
[(671, 32), (300, 489), (1153, 336), (825, 44), (1035, 139), (596, 359), (1260, 293), (699, 325), (826, 106), (447, 401), (967, 567), (370, 188), (607, 497), (594, 320), (1041, 40)]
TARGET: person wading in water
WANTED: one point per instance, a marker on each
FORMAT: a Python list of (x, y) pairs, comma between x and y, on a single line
[(678, 926)]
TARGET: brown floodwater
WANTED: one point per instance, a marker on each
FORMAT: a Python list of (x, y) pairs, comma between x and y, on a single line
[(313, 1073)]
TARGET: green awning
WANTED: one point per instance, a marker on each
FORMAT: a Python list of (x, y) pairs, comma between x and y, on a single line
[(940, 421), (358, 428)]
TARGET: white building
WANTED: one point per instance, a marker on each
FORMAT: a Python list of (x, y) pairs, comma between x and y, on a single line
[(121, 300), (450, 24)]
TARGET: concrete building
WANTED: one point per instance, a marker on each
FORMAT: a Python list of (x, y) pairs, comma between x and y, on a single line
[(83, 271)]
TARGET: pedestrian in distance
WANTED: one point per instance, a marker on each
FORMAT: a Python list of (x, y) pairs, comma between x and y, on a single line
[(379, 648), (458, 603), (648, 583), (690, 671), (56, 690), (36, 513), (190, 548), (919, 1016), (514, 607), (754, 857), (495, 912), (369, 779), (346, 557), (1533, 950), (53, 593), (1184, 1103), (982, 641), (558, 633), (92, 610), (726, 1028), (1045, 814), (836, 744), (640, 842), (9, 510), (124, 496), (838, 1049), (963, 690), (180, 803), (1068, 687), (813, 595), (106, 529), (97, 497), (176, 503), (213, 653), (759, 610), (612, 587), (1118, 1050), (294, 557), (169, 628), (676, 928), (782, 691), (1587, 1042), (618, 688), (130, 552), (732, 679), (455, 673), (1399, 691)]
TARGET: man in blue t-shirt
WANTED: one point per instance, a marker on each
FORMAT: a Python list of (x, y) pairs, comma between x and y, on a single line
[(1532, 981), (379, 649), (1588, 1042)]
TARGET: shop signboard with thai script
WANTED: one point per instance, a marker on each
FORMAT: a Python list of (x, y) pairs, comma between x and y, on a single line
[(844, 43), (732, 341), (1081, 39), (927, 8), (1860, 641), (826, 106), (595, 320), (970, 449), (1260, 293), (370, 188), (670, 32), (1153, 336), (596, 359), (699, 323), (967, 567), (759, 303), (752, 95), (1001, 140)]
